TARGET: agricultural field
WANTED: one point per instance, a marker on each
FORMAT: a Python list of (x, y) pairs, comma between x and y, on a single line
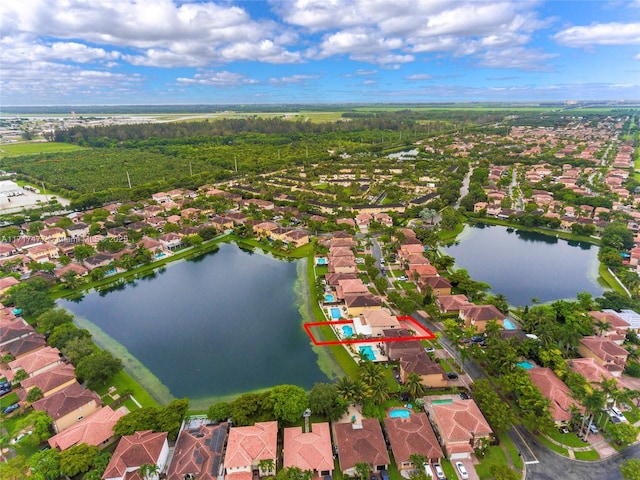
[(36, 148)]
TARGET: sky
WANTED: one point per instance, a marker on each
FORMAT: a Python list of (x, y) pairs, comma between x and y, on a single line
[(132, 52)]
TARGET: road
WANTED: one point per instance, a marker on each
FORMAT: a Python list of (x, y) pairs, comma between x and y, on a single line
[(464, 189), (542, 463)]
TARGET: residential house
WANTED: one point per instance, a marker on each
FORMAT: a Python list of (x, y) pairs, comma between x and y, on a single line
[(479, 315), (24, 345), (359, 303), (78, 231), (350, 287), (555, 390), (252, 449), (617, 329), (7, 282), (309, 450), (360, 443), (629, 316), (409, 436), (198, 451), (38, 361), (53, 235), (76, 269), (44, 252), (12, 330), (452, 303), (592, 371), (222, 224), (95, 430), (460, 425), (99, 260), (373, 322), (431, 373), (342, 264), (394, 350), (133, 451), (52, 380), (603, 350), (436, 285), (69, 406), (170, 241)]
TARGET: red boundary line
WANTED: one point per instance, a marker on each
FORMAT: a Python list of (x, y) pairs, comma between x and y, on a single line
[(318, 343)]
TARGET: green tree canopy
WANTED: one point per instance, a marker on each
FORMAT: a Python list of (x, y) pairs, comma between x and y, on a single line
[(325, 400), (219, 411), (52, 318), (145, 418), (170, 417), (98, 367), (45, 464), (630, 469), (78, 459), (289, 402)]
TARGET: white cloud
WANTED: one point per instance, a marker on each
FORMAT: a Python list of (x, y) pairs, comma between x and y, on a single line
[(517, 58), (600, 34), (293, 79), (217, 79), (418, 76)]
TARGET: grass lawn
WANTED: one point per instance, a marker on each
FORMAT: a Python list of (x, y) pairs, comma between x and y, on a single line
[(449, 470), (34, 148), (569, 439), (8, 399), (553, 446), (124, 383), (494, 456), (588, 455), (631, 417), (513, 451)]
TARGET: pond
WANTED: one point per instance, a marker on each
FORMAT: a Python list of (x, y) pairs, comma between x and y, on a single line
[(224, 324), (524, 265)]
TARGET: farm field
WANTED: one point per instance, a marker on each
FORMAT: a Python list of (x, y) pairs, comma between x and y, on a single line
[(35, 148)]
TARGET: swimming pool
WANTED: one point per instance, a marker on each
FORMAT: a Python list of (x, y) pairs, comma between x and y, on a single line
[(336, 313), (399, 413), (347, 331), (368, 352), (526, 365), (508, 324), (321, 261), (329, 298)]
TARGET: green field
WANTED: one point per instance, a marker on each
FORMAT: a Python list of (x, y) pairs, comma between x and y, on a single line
[(34, 148)]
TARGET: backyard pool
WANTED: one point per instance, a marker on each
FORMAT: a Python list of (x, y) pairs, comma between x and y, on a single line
[(321, 261), (368, 352), (399, 413), (508, 324), (347, 331), (336, 313), (526, 365), (329, 298)]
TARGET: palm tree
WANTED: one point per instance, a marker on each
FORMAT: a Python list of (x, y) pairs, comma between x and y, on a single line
[(352, 390), (592, 402), (414, 386), (266, 466), (362, 470), (148, 471), (602, 326), (418, 461)]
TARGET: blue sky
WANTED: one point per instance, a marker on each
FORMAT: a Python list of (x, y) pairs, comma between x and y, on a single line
[(87, 52)]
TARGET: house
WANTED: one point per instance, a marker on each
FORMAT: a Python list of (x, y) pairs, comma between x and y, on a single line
[(342, 264), (452, 303), (436, 285), (51, 381), (198, 451), (592, 371), (360, 443), (603, 350), (252, 449), (53, 235), (133, 451), (44, 252), (412, 435), (350, 287), (74, 269), (24, 345), (309, 450), (170, 241), (12, 330), (460, 425), (430, 372), (37, 362), (359, 303), (479, 315), (95, 430), (78, 231), (373, 322), (555, 390), (7, 282), (99, 260), (69, 406), (394, 350)]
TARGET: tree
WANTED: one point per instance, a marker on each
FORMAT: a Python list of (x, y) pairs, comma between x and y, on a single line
[(98, 367), (414, 386), (362, 470), (45, 464), (170, 417), (31, 296), (623, 433), (145, 418), (52, 318), (351, 389), (20, 375), (503, 472), (418, 461), (496, 411), (148, 471), (219, 411), (266, 467), (630, 469), (34, 395), (66, 332), (13, 469), (325, 400), (77, 459), (77, 348), (289, 402)]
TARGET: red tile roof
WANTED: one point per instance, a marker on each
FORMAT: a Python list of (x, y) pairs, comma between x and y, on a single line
[(49, 380), (66, 401), (93, 430), (43, 358), (135, 450), (308, 451), (195, 454), (412, 435), (458, 419), (361, 443), (555, 390), (251, 444)]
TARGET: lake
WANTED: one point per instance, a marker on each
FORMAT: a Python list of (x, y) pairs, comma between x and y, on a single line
[(225, 323), (522, 265)]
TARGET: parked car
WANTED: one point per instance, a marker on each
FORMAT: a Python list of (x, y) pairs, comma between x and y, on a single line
[(463, 471), (403, 278), (452, 375), (10, 408), (563, 429), (616, 411), (439, 471), (593, 428), (384, 475), (429, 349)]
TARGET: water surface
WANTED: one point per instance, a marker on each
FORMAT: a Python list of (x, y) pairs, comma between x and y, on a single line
[(224, 324)]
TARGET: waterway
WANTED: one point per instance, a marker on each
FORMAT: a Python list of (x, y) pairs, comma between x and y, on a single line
[(525, 265), (225, 323)]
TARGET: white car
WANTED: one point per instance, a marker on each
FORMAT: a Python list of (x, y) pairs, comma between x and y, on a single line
[(616, 411), (439, 471), (463, 471)]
